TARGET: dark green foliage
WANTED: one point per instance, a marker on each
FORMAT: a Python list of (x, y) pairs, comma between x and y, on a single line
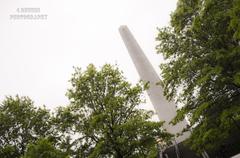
[(202, 69), (104, 116), (9, 151), (43, 148), (20, 124)]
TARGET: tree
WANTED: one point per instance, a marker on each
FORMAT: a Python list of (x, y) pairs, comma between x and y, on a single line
[(21, 123), (202, 69), (43, 148), (104, 116)]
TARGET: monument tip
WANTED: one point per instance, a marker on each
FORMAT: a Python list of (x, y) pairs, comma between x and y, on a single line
[(123, 27)]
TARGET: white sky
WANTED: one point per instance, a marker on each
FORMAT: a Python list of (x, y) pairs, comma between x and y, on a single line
[(37, 56)]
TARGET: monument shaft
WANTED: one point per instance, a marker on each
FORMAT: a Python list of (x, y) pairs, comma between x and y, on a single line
[(165, 110)]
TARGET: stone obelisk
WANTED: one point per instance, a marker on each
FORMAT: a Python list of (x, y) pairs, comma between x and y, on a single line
[(165, 110)]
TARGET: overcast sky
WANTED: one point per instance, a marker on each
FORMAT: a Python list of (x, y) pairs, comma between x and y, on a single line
[(37, 56)]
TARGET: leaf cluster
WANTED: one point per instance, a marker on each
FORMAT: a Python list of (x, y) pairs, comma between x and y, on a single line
[(202, 68)]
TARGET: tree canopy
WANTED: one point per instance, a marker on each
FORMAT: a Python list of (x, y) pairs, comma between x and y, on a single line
[(202, 68), (43, 148), (102, 120), (104, 116), (20, 124)]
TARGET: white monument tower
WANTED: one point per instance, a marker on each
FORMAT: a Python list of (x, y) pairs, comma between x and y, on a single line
[(165, 110)]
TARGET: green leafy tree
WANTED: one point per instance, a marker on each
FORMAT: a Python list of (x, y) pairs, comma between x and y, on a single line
[(43, 148), (9, 151), (202, 69), (104, 116), (20, 124)]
